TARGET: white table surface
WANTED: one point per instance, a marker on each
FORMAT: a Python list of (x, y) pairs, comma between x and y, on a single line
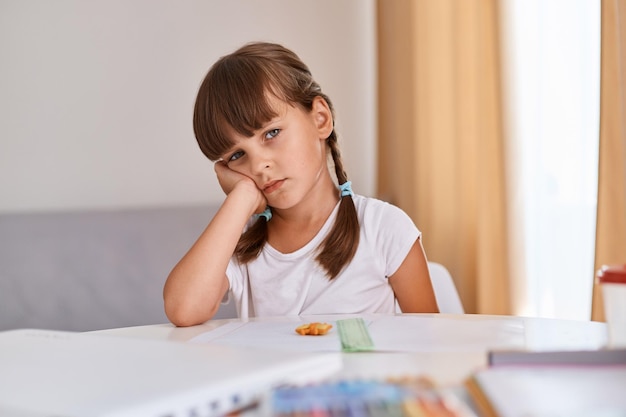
[(446, 348)]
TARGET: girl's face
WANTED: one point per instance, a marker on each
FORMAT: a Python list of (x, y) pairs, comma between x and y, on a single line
[(286, 158)]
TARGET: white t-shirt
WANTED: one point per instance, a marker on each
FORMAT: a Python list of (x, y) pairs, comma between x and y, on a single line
[(295, 284)]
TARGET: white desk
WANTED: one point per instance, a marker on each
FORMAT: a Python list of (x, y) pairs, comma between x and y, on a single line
[(446, 348)]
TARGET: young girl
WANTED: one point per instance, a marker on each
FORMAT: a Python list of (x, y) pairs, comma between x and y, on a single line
[(289, 238)]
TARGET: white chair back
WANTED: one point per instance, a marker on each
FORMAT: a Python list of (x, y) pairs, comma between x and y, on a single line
[(446, 293), (445, 290)]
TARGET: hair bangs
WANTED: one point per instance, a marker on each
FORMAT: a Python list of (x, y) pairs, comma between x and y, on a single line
[(233, 97)]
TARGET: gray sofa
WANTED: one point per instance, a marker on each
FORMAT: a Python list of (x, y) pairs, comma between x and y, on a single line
[(92, 270)]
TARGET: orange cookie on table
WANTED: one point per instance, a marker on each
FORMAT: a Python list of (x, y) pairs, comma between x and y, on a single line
[(313, 329)]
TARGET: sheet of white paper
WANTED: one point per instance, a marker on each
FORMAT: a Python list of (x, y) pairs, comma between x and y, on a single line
[(414, 333), (274, 335), (411, 333)]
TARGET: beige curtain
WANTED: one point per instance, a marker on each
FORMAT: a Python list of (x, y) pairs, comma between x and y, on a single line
[(611, 221), (441, 154)]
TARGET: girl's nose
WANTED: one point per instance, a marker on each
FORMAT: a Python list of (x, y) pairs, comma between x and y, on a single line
[(260, 163)]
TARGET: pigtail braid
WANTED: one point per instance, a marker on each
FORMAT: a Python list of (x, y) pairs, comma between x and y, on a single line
[(252, 241), (339, 247)]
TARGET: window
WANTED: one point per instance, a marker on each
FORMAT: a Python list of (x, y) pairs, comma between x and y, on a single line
[(551, 57)]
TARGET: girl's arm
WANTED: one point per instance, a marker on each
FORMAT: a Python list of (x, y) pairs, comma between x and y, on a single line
[(195, 287), (412, 285)]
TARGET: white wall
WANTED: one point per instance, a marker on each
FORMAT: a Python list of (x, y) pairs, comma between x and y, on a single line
[(96, 98)]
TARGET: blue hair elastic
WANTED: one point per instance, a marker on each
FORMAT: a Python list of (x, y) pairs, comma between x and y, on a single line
[(267, 213), (346, 189)]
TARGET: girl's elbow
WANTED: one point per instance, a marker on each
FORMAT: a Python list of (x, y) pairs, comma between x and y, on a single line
[(183, 316)]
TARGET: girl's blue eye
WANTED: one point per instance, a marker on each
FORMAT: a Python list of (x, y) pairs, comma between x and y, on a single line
[(235, 156), (272, 134)]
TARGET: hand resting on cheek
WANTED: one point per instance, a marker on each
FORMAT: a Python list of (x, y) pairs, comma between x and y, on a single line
[(229, 179)]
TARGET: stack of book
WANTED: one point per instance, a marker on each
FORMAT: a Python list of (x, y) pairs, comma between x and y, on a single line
[(551, 384)]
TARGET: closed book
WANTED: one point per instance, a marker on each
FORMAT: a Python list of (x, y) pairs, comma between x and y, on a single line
[(549, 390)]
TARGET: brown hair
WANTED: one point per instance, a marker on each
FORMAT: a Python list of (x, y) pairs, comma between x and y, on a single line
[(234, 95)]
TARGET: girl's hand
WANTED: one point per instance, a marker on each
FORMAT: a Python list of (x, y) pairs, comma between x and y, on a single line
[(229, 180)]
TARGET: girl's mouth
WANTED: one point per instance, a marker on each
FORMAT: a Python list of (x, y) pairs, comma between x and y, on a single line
[(272, 186)]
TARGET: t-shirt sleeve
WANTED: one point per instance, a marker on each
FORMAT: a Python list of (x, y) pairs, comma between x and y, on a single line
[(396, 235)]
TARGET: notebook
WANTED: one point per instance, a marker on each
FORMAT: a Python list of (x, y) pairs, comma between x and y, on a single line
[(68, 374)]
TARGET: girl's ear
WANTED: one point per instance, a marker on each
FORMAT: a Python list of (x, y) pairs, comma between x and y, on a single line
[(323, 117)]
